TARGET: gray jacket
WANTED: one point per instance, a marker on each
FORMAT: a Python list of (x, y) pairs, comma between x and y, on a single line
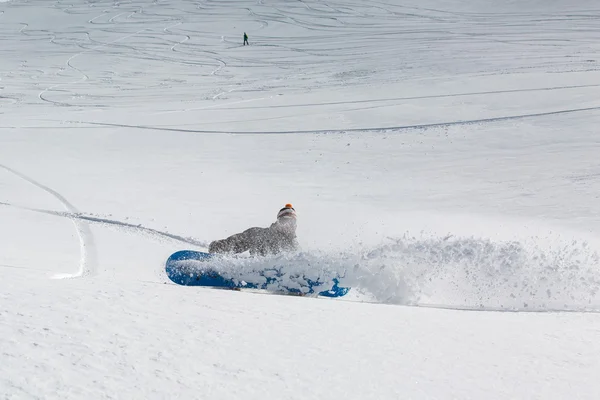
[(261, 241)]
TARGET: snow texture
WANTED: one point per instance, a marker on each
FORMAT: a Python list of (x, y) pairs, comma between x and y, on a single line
[(442, 156)]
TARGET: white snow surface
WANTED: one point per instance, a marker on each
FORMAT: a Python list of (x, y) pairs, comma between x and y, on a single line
[(443, 155)]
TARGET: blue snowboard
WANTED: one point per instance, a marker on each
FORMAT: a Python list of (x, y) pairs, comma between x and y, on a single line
[(187, 275)]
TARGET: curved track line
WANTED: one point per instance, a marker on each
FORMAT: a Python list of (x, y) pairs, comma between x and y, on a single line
[(92, 21), (371, 129), (111, 20), (141, 228), (119, 224), (87, 262), (433, 96), (85, 77), (167, 30)]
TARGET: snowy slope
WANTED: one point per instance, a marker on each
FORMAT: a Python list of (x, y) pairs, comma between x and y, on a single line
[(443, 154)]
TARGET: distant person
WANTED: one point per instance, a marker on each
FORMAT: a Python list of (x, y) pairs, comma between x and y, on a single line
[(279, 237), (246, 39)]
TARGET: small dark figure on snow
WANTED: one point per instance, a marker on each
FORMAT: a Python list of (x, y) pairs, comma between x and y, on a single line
[(280, 236), (246, 39)]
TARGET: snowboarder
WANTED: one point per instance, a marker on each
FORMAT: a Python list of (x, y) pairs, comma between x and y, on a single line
[(246, 39), (280, 236)]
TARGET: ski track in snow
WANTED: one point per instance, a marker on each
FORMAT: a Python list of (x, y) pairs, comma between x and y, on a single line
[(307, 17), (168, 30), (119, 224), (43, 94), (368, 129), (437, 96), (87, 263)]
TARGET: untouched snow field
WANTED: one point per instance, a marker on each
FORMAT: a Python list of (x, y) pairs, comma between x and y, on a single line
[(444, 154)]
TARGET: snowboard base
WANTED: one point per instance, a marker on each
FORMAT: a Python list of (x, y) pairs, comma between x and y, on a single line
[(187, 268)]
